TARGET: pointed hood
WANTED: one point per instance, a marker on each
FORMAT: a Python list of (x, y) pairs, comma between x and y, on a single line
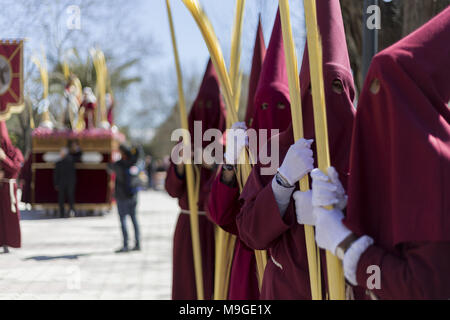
[(334, 45), (338, 85), (400, 159), (259, 52), (209, 88), (208, 106), (272, 103)]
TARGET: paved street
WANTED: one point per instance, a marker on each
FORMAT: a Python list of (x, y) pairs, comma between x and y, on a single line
[(74, 258)]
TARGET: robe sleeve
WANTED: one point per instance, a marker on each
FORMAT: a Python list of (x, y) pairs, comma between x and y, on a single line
[(223, 205), (420, 271), (11, 166), (259, 221), (175, 185)]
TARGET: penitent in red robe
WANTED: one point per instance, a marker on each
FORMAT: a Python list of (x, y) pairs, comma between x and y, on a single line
[(271, 110), (259, 222), (224, 205), (208, 108), (9, 220), (399, 186), (183, 278)]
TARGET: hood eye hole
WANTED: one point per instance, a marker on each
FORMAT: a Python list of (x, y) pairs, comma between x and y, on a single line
[(209, 104), (281, 106), (337, 86), (375, 86), (200, 104), (265, 106)]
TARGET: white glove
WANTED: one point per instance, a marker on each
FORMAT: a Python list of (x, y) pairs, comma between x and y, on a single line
[(236, 141), (330, 231), (328, 190), (298, 161), (304, 207)]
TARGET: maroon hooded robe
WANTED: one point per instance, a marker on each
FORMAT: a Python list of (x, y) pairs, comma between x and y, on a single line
[(9, 217), (399, 187), (259, 222), (209, 109), (224, 199)]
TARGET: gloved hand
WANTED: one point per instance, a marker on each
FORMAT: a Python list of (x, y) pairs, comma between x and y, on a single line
[(304, 207), (298, 161), (236, 141), (330, 231), (328, 190)]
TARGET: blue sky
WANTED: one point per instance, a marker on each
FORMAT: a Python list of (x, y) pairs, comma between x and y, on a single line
[(146, 19), (193, 51), (152, 17)]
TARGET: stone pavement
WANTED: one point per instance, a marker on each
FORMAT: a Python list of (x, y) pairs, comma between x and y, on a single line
[(74, 258)]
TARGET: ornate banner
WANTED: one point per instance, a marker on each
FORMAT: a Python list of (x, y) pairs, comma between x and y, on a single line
[(11, 78)]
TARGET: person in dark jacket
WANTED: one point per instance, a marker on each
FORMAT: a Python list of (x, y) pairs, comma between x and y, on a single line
[(64, 176), (64, 179), (126, 194), (74, 150)]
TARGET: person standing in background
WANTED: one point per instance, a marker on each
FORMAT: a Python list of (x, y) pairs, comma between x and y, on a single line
[(74, 150), (126, 194), (65, 177)]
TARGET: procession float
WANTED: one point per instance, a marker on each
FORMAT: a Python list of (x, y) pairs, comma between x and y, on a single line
[(85, 122)]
